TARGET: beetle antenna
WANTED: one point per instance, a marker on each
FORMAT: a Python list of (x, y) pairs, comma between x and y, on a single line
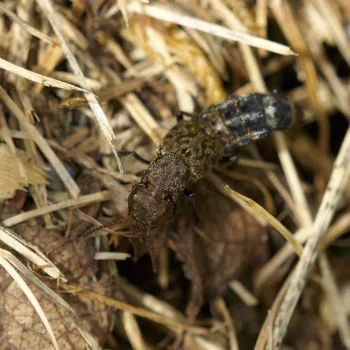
[(101, 227), (88, 233), (152, 251)]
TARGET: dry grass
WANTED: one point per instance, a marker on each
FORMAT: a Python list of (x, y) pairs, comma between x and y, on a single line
[(83, 80)]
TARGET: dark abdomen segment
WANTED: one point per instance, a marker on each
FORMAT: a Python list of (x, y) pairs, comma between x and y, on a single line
[(242, 119)]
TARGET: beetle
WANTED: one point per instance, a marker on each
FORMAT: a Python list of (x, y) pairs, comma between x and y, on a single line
[(192, 147)]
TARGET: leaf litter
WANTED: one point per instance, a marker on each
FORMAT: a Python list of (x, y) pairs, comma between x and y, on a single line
[(142, 63)]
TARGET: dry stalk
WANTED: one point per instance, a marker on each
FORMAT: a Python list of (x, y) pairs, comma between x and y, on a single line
[(41, 143), (100, 116), (207, 27), (81, 201), (323, 218)]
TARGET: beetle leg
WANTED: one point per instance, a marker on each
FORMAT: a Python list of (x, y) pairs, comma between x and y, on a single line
[(133, 154)]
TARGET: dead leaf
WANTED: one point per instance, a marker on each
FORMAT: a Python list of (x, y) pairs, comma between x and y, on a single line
[(20, 324), (23, 329), (216, 240), (10, 178)]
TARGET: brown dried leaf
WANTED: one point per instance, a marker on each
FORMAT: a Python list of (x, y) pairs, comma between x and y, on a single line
[(216, 240), (10, 177), (22, 327), (74, 259)]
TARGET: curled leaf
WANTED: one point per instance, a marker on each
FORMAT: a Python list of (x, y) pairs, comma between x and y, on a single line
[(216, 240)]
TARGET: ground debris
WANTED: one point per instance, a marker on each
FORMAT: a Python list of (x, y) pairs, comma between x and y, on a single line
[(222, 268), (216, 245)]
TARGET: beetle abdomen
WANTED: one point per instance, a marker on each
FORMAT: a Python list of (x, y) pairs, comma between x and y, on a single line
[(242, 119)]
